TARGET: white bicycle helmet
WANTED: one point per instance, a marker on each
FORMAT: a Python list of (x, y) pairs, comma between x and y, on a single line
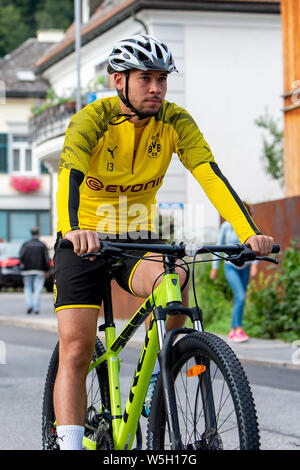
[(142, 52)]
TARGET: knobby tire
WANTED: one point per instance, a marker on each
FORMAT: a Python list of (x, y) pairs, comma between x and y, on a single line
[(216, 409)]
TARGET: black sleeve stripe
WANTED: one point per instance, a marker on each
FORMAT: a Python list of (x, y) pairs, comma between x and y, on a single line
[(220, 175), (76, 178)]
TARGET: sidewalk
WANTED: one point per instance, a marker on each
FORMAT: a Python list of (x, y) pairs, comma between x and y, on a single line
[(260, 351)]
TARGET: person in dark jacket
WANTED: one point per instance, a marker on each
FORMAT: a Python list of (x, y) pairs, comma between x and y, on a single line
[(34, 261)]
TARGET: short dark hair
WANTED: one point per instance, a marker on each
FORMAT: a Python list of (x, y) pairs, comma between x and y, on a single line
[(35, 231)]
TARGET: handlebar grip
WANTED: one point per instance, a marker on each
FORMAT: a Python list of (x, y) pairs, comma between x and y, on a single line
[(64, 243), (276, 249)]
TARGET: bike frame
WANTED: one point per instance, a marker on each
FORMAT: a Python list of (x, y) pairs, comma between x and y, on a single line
[(124, 426)]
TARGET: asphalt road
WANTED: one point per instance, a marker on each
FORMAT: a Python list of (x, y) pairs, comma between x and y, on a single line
[(276, 391)]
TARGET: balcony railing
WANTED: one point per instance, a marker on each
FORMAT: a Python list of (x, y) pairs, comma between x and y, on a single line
[(51, 123)]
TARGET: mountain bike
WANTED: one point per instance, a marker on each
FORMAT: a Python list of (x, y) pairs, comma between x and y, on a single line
[(202, 398)]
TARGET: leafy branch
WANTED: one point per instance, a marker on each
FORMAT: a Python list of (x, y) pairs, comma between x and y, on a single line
[(272, 154)]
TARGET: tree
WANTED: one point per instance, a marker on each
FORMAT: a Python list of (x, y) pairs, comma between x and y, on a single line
[(55, 14), (21, 19), (272, 155), (13, 31)]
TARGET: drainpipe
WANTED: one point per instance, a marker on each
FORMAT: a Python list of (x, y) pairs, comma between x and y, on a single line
[(77, 12), (140, 22)]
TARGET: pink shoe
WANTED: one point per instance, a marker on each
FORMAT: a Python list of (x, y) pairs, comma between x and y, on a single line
[(240, 336), (231, 335)]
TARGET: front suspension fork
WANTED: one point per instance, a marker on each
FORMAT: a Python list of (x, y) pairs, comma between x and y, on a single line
[(164, 356)]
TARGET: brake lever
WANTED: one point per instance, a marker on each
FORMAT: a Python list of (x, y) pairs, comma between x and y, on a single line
[(90, 254), (236, 260), (265, 258), (106, 250), (239, 260)]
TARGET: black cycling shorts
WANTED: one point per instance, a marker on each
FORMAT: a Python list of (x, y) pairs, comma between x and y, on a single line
[(78, 282)]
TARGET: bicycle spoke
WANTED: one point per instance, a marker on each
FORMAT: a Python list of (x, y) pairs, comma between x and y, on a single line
[(193, 405)]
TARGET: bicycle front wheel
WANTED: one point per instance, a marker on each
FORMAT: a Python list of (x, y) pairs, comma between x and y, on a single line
[(214, 401), (97, 424)]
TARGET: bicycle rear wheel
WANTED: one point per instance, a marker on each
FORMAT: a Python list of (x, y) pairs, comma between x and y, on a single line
[(214, 403), (98, 404)]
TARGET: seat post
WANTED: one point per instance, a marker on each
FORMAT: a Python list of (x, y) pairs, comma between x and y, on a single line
[(107, 304)]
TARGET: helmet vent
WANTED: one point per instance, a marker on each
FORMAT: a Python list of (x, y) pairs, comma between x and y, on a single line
[(141, 52), (130, 49), (142, 56), (146, 46), (158, 52)]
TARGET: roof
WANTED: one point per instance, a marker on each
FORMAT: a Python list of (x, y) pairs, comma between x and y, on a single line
[(18, 70), (111, 13)]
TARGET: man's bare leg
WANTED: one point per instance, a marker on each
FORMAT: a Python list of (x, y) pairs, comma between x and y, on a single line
[(142, 282), (77, 333)]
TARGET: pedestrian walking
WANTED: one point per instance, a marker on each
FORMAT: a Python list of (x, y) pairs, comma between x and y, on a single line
[(238, 278), (34, 261)]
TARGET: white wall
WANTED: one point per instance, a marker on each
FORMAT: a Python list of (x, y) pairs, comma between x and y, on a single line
[(62, 75), (16, 111), (233, 73)]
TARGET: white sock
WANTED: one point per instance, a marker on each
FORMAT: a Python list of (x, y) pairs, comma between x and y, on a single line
[(70, 437), (156, 369)]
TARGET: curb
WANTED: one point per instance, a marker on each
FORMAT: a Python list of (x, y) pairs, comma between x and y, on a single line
[(28, 323), (268, 362), (51, 325)]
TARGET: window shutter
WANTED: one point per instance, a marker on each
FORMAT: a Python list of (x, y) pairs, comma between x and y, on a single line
[(3, 153), (43, 169)]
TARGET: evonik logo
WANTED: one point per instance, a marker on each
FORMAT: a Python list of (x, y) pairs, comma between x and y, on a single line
[(96, 185)]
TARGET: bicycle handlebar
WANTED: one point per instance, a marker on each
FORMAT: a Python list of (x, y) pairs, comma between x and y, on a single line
[(241, 252)]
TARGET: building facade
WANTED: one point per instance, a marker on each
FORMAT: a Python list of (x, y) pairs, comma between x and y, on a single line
[(25, 184)]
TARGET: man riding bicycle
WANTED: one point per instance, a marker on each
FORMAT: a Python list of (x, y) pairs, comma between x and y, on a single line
[(113, 162)]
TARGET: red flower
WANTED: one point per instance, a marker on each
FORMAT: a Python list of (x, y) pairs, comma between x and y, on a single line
[(25, 184)]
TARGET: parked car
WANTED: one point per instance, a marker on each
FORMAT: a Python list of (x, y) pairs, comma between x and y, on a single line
[(10, 272), (49, 278)]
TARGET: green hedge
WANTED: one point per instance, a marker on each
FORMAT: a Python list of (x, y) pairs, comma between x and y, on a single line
[(213, 297), (272, 308)]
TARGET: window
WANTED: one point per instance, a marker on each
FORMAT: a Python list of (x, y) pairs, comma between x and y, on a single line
[(15, 225), (3, 225), (26, 75), (16, 160), (21, 155), (43, 169), (28, 162), (20, 138)]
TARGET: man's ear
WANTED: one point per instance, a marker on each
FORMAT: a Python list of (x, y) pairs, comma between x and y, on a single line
[(118, 80)]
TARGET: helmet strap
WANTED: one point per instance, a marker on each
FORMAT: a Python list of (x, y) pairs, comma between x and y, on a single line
[(125, 100)]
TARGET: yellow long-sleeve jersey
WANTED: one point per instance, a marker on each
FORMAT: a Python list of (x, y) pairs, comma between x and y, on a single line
[(108, 179)]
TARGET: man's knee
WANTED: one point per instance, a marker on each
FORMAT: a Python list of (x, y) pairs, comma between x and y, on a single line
[(76, 355), (76, 352), (150, 274)]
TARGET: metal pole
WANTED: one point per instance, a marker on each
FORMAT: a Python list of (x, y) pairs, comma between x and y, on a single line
[(77, 51)]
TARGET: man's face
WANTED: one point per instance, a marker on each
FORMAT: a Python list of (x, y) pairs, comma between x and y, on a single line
[(147, 90)]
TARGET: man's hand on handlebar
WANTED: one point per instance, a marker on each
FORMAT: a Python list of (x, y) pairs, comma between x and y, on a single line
[(261, 244), (83, 241)]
